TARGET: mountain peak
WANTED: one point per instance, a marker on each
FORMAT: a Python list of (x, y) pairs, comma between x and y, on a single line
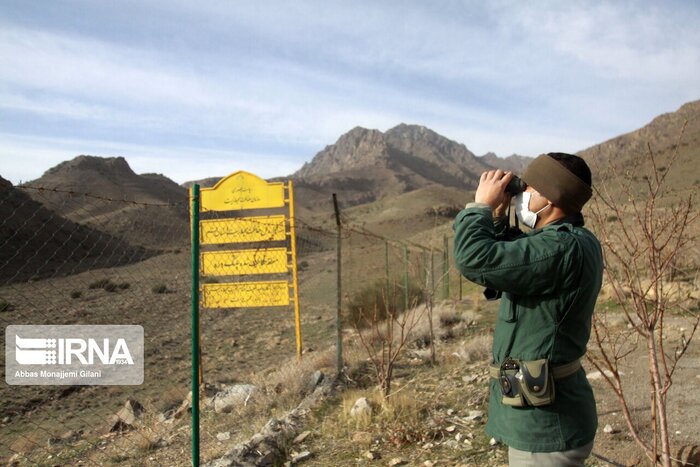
[(369, 164), (404, 130), (102, 165), (357, 148)]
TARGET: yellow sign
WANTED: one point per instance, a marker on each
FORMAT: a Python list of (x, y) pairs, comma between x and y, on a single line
[(243, 229), (242, 190), (237, 262), (245, 294)]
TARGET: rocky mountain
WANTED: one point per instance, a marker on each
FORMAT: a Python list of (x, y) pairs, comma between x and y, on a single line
[(515, 163), (149, 210), (205, 182), (36, 242), (365, 165), (674, 132)]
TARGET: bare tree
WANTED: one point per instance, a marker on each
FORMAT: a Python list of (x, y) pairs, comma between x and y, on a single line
[(646, 238), (386, 334)]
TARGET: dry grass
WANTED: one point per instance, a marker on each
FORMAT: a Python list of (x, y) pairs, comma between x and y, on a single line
[(475, 349)]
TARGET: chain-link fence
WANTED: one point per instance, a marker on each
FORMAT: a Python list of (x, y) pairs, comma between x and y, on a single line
[(73, 258)]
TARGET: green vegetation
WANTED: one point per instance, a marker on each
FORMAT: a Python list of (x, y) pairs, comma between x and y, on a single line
[(107, 285), (380, 300), (98, 284)]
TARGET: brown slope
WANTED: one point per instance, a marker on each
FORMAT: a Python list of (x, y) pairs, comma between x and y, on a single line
[(37, 243), (149, 210), (662, 136)]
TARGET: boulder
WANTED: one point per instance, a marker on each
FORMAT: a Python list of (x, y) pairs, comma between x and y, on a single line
[(127, 416), (361, 408), (233, 396)]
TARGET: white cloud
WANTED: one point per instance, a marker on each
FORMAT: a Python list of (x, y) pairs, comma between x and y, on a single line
[(33, 156), (503, 76)]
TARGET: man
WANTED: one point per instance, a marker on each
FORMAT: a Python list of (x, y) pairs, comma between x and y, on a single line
[(549, 280)]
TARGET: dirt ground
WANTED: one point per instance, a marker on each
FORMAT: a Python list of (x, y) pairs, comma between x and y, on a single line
[(683, 405), (253, 346)]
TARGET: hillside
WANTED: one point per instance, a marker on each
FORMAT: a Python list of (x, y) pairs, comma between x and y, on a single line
[(149, 210), (663, 136), (36, 242)]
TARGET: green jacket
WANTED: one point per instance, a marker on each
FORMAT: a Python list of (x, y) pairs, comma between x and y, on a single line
[(550, 279)]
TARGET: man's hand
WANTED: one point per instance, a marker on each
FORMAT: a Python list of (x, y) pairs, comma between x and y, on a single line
[(491, 190)]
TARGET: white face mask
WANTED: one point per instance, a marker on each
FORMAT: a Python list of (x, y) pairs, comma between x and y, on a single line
[(522, 209)]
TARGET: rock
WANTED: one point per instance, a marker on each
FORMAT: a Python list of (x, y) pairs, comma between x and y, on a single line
[(224, 436), (372, 455), (474, 415), (470, 379), (185, 407), (451, 443), (302, 437), (361, 408), (233, 396), (127, 416), (610, 430), (493, 442), (300, 457), (429, 464), (450, 428), (397, 461), (67, 437), (315, 380)]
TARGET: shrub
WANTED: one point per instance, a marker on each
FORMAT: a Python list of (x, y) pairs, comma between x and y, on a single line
[(449, 319), (380, 300), (98, 284), (159, 288), (76, 294), (124, 285)]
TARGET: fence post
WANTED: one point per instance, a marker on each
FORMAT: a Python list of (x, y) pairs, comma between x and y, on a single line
[(446, 267), (338, 315), (432, 273), (194, 219)]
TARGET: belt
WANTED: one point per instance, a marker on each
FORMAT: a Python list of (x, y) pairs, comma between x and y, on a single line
[(558, 371)]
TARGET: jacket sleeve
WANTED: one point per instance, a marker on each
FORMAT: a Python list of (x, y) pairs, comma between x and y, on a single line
[(536, 264)]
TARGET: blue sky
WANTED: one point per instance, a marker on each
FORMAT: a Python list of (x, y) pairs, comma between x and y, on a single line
[(193, 89)]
